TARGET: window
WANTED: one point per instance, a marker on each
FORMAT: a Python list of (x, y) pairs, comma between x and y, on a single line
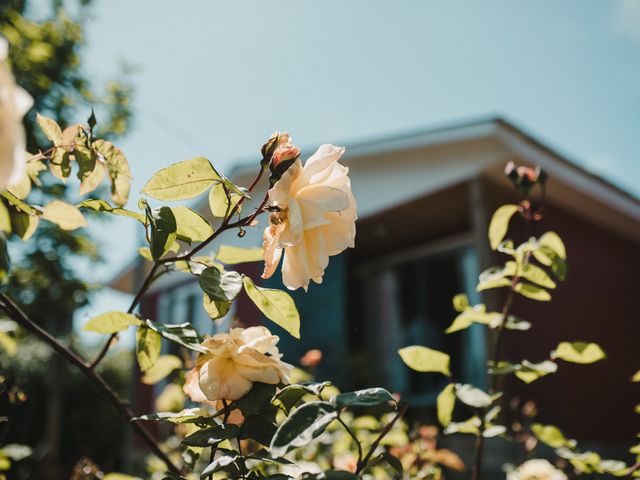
[(407, 301)]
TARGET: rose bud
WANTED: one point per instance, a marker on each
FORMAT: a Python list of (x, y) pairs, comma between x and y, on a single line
[(311, 359), (275, 140), (283, 157)]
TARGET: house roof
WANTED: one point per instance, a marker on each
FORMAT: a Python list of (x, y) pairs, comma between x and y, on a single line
[(581, 189)]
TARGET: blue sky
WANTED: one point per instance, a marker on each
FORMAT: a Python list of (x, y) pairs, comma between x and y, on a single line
[(216, 78)]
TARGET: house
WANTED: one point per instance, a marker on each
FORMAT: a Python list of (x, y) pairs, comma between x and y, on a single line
[(424, 201)]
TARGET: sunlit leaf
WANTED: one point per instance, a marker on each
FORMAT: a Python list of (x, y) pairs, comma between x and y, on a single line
[(220, 285), (118, 170), (532, 291), (579, 352), (636, 377), (22, 189), (181, 333), (5, 219), (215, 308), (103, 206), (471, 426), (119, 476), (221, 200), (191, 226), (551, 435), (233, 255), (446, 402), (183, 180), (148, 346), (163, 367), (472, 396), (460, 302), (50, 128), (276, 305), (211, 436), (536, 275), (163, 226), (111, 322), (500, 224), (529, 372), (423, 359), (8, 344), (63, 214), (364, 398)]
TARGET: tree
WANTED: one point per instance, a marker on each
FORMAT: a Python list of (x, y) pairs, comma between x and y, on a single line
[(45, 58)]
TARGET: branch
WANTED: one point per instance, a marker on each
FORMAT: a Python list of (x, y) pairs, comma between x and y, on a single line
[(363, 465), (15, 313)]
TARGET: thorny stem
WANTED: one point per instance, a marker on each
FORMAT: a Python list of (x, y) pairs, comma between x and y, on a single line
[(14, 312), (365, 462)]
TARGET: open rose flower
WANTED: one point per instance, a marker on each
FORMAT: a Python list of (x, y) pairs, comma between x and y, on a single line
[(536, 469), (233, 362), (14, 103), (314, 218)]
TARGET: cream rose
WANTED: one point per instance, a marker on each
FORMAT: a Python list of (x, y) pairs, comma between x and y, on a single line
[(536, 469), (233, 362), (14, 103), (314, 218)]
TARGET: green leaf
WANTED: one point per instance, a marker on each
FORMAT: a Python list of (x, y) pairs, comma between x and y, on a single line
[(536, 275), (221, 463), (163, 367), (446, 402), (163, 227), (119, 476), (191, 226), (552, 436), (276, 305), (183, 180), (258, 398), (192, 415), (222, 200), (472, 396), (8, 344), (579, 352), (181, 333), (5, 219), (99, 205), (215, 308), (117, 168), (332, 475), (60, 163), (233, 255), (148, 346), (515, 323), (552, 241), (65, 215), (24, 225), (302, 426), (50, 128), (529, 372), (500, 223), (111, 322), (460, 302), (291, 394), (393, 462), (532, 291), (257, 428), (369, 397), (471, 426), (220, 285), (423, 359), (211, 436), (476, 314)]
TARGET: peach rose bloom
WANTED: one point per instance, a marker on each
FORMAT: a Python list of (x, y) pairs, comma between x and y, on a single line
[(315, 218), (536, 469), (233, 362), (15, 102)]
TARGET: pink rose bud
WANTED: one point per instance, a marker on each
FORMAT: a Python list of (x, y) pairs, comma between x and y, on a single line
[(275, 140), (283, 157)]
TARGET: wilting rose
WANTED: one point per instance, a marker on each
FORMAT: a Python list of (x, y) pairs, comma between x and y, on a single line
[(536, 469), (314, 218), (14, 103), (233, 362)]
